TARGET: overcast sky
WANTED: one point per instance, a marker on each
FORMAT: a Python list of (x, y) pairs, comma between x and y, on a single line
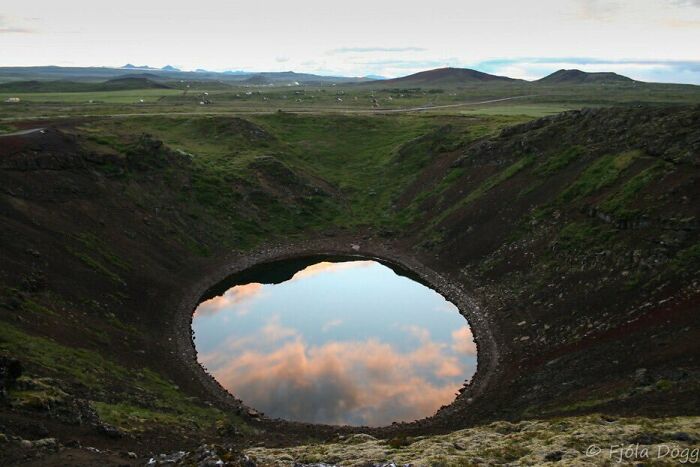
[(645, 39)]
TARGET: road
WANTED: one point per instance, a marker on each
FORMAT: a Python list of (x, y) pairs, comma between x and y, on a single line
[(462, 104), (23, 132), (259, 112)]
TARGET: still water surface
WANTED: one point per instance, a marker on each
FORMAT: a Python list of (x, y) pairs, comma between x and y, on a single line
[(340, 342)]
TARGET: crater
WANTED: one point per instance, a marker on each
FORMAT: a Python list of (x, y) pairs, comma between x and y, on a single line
[(334, 340)]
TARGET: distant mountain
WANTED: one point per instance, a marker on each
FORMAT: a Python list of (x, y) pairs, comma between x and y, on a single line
[(152, 75), (100, 74), (123, 83), (129, 66), (445, 77), (583, 77), (41, 86), (257, 80), (131, 82)]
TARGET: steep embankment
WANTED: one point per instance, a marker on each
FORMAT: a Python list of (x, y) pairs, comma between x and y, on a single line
[(576, 235), (580, 235)]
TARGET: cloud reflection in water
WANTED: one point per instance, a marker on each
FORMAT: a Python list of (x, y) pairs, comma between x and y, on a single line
[(342, 343)]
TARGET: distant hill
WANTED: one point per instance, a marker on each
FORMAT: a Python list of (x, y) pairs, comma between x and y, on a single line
[(147, 75), (131, 82), (29, 86), (257, 80), (583, 77), (115, 84), (47, 86), (170, 68), (130, 66), (98, 74), (446, 77)]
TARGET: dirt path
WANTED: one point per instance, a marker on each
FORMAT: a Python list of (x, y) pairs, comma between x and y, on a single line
[(23, 132)]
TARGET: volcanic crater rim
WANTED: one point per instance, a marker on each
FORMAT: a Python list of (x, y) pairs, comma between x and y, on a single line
[(217, 277)]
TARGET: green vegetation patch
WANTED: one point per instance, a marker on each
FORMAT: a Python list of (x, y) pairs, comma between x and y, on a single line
[(96, 265), (84, 366), (94, 244), (687, 259), (37, 394), (617, 203), (499, 178), (582, 234), (138, 394), (559, 160), (488, 184), (13, 299), (135, 418), (601, 173)]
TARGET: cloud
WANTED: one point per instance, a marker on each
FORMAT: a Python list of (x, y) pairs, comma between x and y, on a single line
[(685, 3), (596, 10), (326, 266), (274, 331), (239, 297), (681, 23), (422, 334), (5, 28), (234, 299), (447, 307), (346, 50), (463, 341), (272, 367), (358, 382), (331, 324), (408, 64)]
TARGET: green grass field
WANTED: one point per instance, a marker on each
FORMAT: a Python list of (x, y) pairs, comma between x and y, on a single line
[(216, 98)]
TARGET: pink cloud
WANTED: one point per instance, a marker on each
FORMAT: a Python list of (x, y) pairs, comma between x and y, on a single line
[(235, 299), (463, 341), (274, 331), (359, 382), (326, 266)]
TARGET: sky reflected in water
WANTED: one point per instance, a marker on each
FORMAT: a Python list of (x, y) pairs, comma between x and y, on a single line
[(342, 343)]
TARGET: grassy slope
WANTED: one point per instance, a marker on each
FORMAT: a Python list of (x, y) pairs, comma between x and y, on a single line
[(540, 100), (337, 172), (359, 164)]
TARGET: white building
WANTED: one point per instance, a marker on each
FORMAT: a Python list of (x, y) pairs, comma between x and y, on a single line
[(12, 100)]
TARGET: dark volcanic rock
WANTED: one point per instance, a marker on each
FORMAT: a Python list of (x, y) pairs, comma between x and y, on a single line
[(10, 370)]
